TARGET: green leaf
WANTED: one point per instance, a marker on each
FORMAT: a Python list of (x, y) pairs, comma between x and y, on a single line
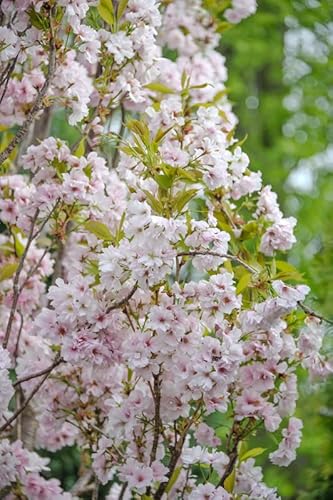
[(164, 181), (183, 198), (223, 26), (241, 141), (284, 266), (287, 271), (185, 80), (229, 482), (173, 479), (255, 452), (160, 134), (106, 11), (121, 8), (189, 176), (92, 267), (80, 150), (38, 20), (7, 248), (201, 86), (19, 246), (8, 270), (98, 229), (120, 230), (243, 282), (154, 203), (159, 87), (250, 230), (140, 129)]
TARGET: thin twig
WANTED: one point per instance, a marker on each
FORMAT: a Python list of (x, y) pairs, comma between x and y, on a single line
[(307, 310), (16, 291), (176, 454), (216, 254), (122, 491), (25, 404), (38, 104), (34, 269), (115, 156), (18, 336), (46, 220), (39, 373), (232, 450), (7, 77), (82, 483), (94, 495), (122, 302)]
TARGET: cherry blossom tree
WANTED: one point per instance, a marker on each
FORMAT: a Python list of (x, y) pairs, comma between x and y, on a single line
[(148, 315)]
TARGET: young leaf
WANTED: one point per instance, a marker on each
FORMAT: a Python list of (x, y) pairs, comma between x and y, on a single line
[(160, 134), (164, 181), (255, 452), (98, 229), (159, 87), (80, 150), (229, 482), (121, 8), (183, 198), (173, 479), (286, 267), (154, 203), (243, 282), (8, 270), (106, 11)]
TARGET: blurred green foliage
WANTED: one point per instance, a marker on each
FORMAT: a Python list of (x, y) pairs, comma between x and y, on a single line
[(280, 79)]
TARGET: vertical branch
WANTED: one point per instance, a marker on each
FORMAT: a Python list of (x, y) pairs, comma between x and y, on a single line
[(115, 156), (177, 451), (122, 491), (236, 435), (157, 417), (94, 495), (58, 267), (16, 290)]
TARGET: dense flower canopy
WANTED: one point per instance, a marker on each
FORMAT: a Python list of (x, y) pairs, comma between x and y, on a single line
[(148, 316)]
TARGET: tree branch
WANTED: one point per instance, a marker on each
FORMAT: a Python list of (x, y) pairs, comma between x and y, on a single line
[(26, 402), (39, 373), (157, 416), (122, 302), (176, 454), (16, 290), (216, 254), (307, 310)]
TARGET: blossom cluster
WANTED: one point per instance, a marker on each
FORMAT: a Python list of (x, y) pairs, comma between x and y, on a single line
[(147, 315)]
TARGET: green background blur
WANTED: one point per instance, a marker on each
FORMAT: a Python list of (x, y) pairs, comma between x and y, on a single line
[(281, 82)]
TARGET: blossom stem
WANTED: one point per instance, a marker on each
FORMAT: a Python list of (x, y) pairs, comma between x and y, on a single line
[(216, 254)]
